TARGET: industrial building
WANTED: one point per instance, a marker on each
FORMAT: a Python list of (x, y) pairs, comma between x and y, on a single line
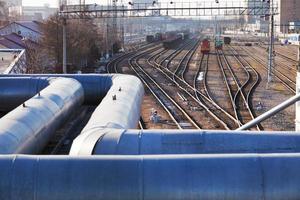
[(17, 11), (142, 3), (13, 2), (25, 29), (288, 16)]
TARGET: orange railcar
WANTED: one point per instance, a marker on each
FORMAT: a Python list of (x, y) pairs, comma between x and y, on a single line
[(205, 46)]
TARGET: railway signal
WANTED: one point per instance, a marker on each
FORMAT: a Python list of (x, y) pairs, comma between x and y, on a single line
[(271, 57)]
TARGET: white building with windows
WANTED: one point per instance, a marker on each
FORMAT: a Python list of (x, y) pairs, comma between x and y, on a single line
[(142, 3), (37, 12), (13, 2), (30, 13), (26, 29)]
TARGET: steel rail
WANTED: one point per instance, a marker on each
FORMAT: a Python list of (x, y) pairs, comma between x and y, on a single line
[(205, 97), (150, 83), (113, 64), (205, 100), (275, 70), (166, 73), (254, 75), (282, 64), (221, 66), (239, 89), (284, 83), (283, 56)]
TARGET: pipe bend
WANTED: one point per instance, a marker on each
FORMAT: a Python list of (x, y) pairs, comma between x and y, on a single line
[(28, 127), (120, 97), (121, 106), (95, 86), (119, 109), (16, 90)]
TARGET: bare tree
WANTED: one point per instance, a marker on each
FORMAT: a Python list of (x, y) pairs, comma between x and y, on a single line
[(3, 11), (37, 59), (83, 42)]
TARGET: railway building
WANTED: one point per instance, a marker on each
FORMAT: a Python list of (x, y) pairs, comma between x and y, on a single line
[(288, 16)]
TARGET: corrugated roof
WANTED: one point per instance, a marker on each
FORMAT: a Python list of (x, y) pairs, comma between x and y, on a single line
[(14, 41), (32, 25), (9, 44)]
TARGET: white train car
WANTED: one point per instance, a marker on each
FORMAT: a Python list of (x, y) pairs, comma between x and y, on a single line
[(293, 39)]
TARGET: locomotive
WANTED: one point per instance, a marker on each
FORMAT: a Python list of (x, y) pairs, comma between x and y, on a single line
[(205, 46)]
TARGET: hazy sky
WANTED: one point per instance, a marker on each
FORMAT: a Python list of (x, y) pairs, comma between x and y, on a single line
[(54, 3)]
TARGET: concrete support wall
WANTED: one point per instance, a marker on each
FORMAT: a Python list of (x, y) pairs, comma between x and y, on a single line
[(18, 66)]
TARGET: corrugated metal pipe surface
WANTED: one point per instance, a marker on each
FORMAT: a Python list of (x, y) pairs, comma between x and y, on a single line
[(120, 96), (120, 109), (95, 86), (14, 91), (142, 142), (28, 127), (180, 177), (122, 172)]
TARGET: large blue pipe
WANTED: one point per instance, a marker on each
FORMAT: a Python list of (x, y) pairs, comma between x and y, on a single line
[(119, 109), (14, 91), (170, 177), (141, 177), (145, 142), (107, 131), (95, 86), (28, 127)]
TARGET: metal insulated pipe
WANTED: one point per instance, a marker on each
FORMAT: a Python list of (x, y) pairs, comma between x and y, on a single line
[(170, 177), (143, 142), (28, 127), (95, 86), (15, 91), (121, 106), (120, 109), (121, 97), (134, 177)]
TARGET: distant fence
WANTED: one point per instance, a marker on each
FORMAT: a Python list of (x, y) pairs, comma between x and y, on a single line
[(18, 66)]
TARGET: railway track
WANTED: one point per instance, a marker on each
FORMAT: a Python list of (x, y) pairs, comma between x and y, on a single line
[(203, 94), (245, 88), (279, 48), (177, 113), (112, 66), (286, 57), (136, 46), (189, 91), (210, 104), (168, 69), (223, 116), (232, 88), (281, 60), (285, 80)]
